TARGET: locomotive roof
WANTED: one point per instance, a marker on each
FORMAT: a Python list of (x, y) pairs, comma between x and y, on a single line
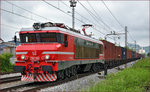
[(62, 30)]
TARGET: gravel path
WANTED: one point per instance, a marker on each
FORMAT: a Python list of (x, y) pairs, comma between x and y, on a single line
[(84, 82)]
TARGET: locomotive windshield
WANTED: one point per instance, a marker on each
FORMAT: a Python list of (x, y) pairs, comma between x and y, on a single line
[(41, 37)]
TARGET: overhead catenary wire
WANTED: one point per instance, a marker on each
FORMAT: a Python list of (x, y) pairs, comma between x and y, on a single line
[(130, 36), (70, 15), (99, 16), (87, 19), (116, 18), (5, 36), (90, 13), (62, 11), (10, 26), (32, 13), (12, 12), (112, 14), (75, 11), (18, 14), (28, 11), (80, 14)]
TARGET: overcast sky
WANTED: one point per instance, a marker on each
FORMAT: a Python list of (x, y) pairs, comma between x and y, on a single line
[(133, 14)]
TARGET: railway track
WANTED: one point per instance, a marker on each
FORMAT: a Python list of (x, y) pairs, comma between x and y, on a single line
[(10, 79), (7, 73), (59, 82), (35, 86)]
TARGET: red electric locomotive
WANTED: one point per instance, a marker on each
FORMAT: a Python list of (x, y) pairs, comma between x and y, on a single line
[(51, 51)]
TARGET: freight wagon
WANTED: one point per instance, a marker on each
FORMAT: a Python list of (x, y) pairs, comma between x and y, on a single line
[(116, 55), (52, 51)]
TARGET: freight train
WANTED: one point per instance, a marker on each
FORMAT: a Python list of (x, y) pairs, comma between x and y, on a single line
[(52, 51)]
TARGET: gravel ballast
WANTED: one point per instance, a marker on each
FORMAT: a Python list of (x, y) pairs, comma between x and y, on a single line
[(10, 75), (84, 82), (74, 85)]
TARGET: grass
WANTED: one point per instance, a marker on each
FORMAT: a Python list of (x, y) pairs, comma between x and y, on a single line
[(5, 65), (133, 79)]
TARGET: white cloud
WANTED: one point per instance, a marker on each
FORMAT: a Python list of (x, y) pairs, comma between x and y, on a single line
[(134, 14)]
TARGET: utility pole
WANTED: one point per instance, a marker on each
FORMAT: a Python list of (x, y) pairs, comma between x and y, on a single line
[(135, 45), (126, 44), (114, 33), (73, 4)]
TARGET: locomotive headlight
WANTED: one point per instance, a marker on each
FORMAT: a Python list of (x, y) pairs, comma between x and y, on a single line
[(47, 57), (23, 57)]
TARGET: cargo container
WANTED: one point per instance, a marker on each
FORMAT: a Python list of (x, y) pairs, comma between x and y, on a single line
[(123, 50), (118, 54), (133, 54), (129, 54), (109, 50)]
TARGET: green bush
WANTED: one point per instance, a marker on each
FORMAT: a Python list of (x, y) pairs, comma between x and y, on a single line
[(133, 79), (5, 65)]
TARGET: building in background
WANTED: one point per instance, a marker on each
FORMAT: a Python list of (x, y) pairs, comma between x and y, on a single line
[(9, 47)]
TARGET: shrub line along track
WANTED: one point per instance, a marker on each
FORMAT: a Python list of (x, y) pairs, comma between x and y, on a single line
[(10, 79), (41, 85)]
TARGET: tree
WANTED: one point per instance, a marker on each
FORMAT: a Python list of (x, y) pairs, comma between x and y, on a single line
[(148, 54)]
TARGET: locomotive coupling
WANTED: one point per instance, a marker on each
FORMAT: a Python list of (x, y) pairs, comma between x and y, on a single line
[(19, 68), (47, 68), (35, 76)]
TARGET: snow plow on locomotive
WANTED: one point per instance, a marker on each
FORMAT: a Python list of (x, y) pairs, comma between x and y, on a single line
[(51, 51)]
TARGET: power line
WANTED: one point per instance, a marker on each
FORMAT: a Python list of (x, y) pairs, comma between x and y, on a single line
[(33, 13), (18, 15), (29, 11), (75, 11), (116, 18), (86, 19), (38, 15), (5, 36), (62, 11), (81, 16), (131, 36), (70, 15), (11, 26), (98, 16), (112, 14), (91, 14)]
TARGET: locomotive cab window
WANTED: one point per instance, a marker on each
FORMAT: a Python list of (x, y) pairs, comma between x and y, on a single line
[(49, 37), (41, 37)]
